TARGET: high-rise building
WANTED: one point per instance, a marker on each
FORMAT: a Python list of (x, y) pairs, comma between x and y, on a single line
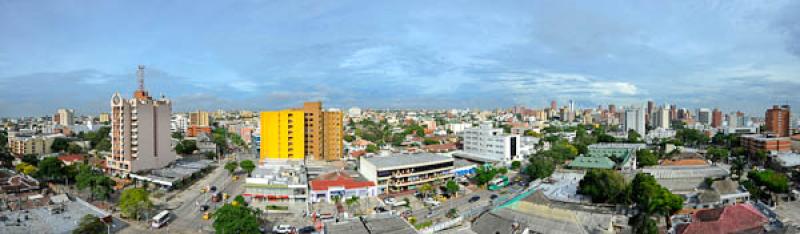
[(332, 145), (140, 132), (553, 105), (777, 120), (704, 116), (716, 118), (673, 112), (282, 135), (635, 120), (322, 133), (660, 118), (104, 118), (612, 108), (64, 117), (651, 107), (199, 118)]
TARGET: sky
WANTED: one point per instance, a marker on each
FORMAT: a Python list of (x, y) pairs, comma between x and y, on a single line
[(264, 55)]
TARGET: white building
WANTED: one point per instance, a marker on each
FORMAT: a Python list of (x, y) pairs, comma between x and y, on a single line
[(635, 120), (489, 144), (660, 118), (401, 172), (140, 132), (179, 123), (354, 112), (457, 128)]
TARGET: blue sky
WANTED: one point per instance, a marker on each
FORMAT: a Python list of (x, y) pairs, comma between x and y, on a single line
[(736, 55)]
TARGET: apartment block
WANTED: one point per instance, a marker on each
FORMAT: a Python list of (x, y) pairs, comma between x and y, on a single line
[(199, 118), (21, 144), (140, 132), (64, 117), (755, 142), (282, 135), (104, 118), (333, 135), (777, 120), (489, 145)]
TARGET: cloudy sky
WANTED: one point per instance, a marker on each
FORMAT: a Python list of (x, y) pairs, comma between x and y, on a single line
[(736, 55)]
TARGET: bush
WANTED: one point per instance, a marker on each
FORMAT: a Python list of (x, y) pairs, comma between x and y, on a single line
[(516, 165)]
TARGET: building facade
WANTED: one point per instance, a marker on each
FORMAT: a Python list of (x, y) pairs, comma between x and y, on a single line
[(777, 120), (199, 118), (757, 142), (64, 117), (282, 135), (401, 172), (635, 120), (491, 143), (332, 147), (140, 132)]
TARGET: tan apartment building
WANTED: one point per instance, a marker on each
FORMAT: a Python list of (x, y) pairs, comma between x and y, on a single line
[(324, 133), (25, 144), (104, 118), (199, 118), (140, 132), (64, 117)]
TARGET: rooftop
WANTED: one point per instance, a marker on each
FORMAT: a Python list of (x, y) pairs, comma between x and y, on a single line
[(592, 162), (740, 218), (788, 159), (338, 179), (400, 160)]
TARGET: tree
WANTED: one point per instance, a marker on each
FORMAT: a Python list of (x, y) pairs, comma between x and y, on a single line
[(74, 149), (633, 136), (99, 185), (50, 169), (774, 181), (516, 165), (646, 157), (349, 138), (90, 224), (651, 198), (351, 202), (134, 201), (430, 141), (60, 144), (484, 174), (248, 166), (643, 224), (177, 135), (236, 219), (602, 185), (103, 145), (211, 155), (186, 147), (31, 159), (426, 189), (540, 168), (371, 148), (231, 166), (761, 157), (451, 187), (26, 168)]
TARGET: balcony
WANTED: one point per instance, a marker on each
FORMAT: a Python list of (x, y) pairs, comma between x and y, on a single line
[(420, 181)]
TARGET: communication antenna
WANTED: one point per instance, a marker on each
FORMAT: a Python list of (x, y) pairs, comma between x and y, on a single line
[(140, 77)]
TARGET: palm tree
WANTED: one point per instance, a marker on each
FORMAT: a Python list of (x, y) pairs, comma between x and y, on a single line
[(352, 201), (425, 189)]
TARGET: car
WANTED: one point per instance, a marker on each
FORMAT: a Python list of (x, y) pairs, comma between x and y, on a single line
[(493, 196), (474, 198), (213, 188), (431, 201), (389, 200), (282, 229), (307, 229), (204, 208)]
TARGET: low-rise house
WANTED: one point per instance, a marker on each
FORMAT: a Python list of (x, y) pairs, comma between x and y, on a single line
[(684, 179), (721, 193), (278, 181), (740, 218), (70, 159), (340, 184)]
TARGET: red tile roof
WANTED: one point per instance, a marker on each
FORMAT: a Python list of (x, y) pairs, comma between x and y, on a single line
[(440, 147), (358, 153), (740, 218), (71, 157), (338, 179)]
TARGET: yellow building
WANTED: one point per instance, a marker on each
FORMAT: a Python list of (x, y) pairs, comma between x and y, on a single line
[(333, 135), (282, 135), (199, 118)]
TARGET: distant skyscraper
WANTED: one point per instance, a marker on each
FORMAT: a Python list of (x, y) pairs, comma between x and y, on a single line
[(673, 112), (199, 118), (571, 106), (777, 120), (635, 120), (716, 118), (612, 108), (704, 116), (660, 118), (553, 105), (140, 132)]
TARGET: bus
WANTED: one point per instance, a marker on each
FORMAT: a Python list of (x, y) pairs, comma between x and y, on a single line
[(160, 219), (498, 183)]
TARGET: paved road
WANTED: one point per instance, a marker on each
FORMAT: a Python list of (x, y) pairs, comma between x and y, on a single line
[(186, 216)]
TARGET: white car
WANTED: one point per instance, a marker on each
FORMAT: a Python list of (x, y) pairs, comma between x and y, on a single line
[(389, 201), (282, 229), (431, 201)]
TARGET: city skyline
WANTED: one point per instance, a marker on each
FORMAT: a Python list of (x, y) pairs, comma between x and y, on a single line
[(268, 56)]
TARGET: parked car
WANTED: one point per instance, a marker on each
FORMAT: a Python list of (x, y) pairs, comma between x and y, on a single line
[(431, 201), (306, 229), (203, 207), (494, 196), (474, 198), (282, 229), (389, 200)]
